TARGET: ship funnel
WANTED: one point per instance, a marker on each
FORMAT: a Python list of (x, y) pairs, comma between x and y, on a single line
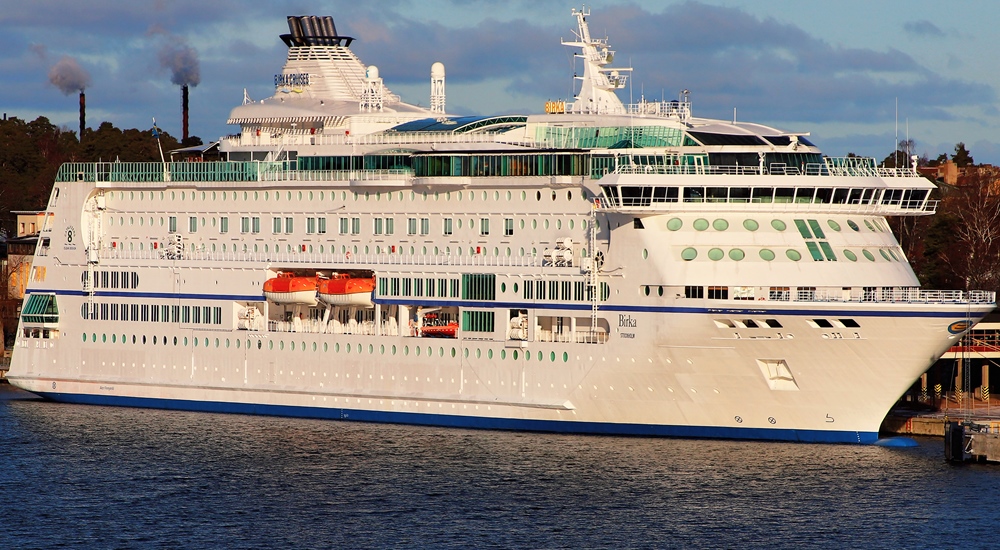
[(311, 30), (184, 113), (83, 113)]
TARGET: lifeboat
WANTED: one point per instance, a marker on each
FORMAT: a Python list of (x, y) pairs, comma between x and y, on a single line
[(289, 289), (344, 290), (449, 330)]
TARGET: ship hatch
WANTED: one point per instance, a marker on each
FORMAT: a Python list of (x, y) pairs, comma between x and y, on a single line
[(777, 374)]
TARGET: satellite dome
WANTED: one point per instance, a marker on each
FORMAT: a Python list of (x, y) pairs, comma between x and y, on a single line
[(372, 72), (437, 70)]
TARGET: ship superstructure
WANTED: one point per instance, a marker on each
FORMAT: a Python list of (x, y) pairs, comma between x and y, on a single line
[(598, 268)]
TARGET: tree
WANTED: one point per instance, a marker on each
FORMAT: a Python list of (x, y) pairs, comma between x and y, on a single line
[(962, 157), (969, 247)]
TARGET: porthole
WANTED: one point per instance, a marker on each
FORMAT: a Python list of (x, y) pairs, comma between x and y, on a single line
[(720, 224), (503, 354), (645, 254), (336, 347), (833, 225), (114, 339), (645, 290), (689, 254), (185, 341), (766, 254), (348, 348), (853, 225), (479, 353), (736, 254), (508, 195), (793, 255), (850, 255), (715, 254), (503, 287), (868, 224), (524, 195), (406, 350), (371, 349), (452, 352), (884, 254), (538, 195), (750, 225), (514, 355), (674, 224), (778, 225), (545, 223), (281, 344), (659, 291), (515, 288), (700, 224)]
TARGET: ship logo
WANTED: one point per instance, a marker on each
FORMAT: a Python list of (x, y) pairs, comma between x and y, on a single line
[(958, 327)]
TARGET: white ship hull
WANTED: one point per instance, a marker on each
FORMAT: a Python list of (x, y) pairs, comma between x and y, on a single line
[(592, 293)]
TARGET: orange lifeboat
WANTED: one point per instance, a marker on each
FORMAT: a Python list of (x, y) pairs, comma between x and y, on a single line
[(286, 288), (345, 290), (449, 330)]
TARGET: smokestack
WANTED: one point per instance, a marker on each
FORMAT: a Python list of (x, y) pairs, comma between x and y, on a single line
[(184, 112), (83, 114)]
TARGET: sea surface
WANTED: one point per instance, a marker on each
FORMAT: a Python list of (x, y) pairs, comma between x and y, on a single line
[(77, 476)]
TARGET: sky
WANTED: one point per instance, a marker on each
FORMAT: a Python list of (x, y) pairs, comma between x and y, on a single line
[(835, 69)]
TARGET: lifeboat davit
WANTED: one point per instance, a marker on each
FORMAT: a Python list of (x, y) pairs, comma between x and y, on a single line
[(286, 288), (449, 330), (345, 290)]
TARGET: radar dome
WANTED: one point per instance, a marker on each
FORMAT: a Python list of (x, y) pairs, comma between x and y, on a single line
[(372, 72), (437, 70)]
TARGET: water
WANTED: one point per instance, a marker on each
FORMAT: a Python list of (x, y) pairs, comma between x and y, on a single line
[(84, 476)]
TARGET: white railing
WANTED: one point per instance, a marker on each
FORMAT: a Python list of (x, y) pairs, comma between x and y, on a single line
[(890, 208), (378, 138), (476, 260), (667, 109), (336, 175), (888, 294)]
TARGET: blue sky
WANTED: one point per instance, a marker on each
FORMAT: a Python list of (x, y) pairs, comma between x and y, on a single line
[(832, 68)]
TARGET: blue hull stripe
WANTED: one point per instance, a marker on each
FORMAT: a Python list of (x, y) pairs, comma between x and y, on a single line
[(456, 421), (957, 314)]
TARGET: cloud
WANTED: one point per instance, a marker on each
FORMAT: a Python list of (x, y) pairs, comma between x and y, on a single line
[(923, 28)]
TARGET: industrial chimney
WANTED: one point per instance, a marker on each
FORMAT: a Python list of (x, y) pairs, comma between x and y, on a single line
[(83, 113), (184, 113)]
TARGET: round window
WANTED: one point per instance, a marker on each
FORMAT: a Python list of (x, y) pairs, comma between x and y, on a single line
[(715, 254), (793, 255), (766, 254), (689, 254), (778, 224), (700, 224), (750, 225), (674, 224)]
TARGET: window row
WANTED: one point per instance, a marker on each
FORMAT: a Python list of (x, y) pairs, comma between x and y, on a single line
[(312, 196), (806, 227), (111, 279), (146, 313), (634, 195), (819, 251), (292, 345)]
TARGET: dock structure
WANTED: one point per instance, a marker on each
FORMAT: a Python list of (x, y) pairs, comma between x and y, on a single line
[(972, 442)]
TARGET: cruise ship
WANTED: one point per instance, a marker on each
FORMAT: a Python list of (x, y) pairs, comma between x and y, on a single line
[(599, 267)]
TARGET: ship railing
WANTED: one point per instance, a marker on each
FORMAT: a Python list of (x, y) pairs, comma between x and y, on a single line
[(900, 295), (337, 175), (829, 168), (378, 138), (666, 109), (659, 204), (384, 259), (569, 337)]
